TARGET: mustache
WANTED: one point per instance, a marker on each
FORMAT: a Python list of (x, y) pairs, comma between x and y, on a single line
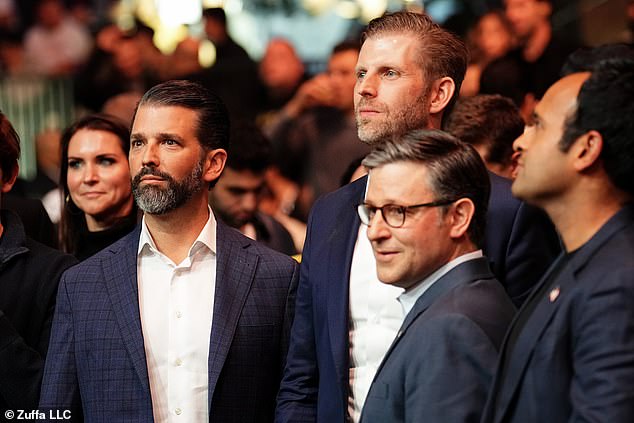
[(150, 171), (363, 102)]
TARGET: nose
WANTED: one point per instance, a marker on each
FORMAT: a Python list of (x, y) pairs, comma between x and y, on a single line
[(249, 202), (378, 229), (150, 156), (90, 175), (519, 144), (366, 86)]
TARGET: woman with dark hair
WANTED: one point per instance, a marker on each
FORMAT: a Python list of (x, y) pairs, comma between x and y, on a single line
[(95, 177)]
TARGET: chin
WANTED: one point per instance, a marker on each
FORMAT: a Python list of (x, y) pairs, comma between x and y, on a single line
[(387, 279)]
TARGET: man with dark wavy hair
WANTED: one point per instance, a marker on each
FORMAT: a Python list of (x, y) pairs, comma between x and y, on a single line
[(568, 355)]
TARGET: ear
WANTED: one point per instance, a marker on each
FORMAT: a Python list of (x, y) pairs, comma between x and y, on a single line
[(461, 214), (8, 180), (442, 92), (214, 164), (586, 150)]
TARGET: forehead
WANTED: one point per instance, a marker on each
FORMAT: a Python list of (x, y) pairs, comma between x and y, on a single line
[(399, 48), (518, 3), (561, 98), (346, 58), (240, 178), (94, 141), (279, 50), (400, 182), (178, 120)]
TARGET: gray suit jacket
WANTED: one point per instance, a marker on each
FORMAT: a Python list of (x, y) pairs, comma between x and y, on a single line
[(96, 363), (440, 366)]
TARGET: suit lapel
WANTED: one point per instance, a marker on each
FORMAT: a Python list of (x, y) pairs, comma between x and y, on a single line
[(120, 273), (341, 242), (235, 271), (466, 272), (531, 333)]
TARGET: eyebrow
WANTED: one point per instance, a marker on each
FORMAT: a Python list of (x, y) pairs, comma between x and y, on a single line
[(160, 136), (166, 135)]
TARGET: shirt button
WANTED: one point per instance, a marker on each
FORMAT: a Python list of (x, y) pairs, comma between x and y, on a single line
[(178, 411), (179, 362), (179, 314)]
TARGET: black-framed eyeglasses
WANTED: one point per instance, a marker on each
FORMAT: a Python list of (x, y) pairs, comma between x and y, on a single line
[(393, 214)]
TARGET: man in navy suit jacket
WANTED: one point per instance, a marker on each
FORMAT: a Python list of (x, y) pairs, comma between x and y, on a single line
[(185, 317), (569, 353), (425, 210), (408, 74)]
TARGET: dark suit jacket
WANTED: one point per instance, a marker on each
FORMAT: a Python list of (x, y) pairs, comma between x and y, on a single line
[(315, 383), (96, 363), (574, 359), (440, 366), (271, 233), (37, 224), (29, 276)]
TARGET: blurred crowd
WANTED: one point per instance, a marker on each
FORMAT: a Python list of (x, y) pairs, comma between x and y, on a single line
[(306, 121)]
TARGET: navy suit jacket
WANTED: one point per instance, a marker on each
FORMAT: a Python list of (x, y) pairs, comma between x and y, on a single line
[(96, 363), (440, 366), (574, 359), (315, 383)]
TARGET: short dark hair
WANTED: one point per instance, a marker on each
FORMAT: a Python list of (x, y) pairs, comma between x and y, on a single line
[(442, 53), (455, 168), (506, 76), (9, 147), (346, 45), (213, 119), (249, 148), (216, 13), (72, 220), (606, 104), (492, 121)]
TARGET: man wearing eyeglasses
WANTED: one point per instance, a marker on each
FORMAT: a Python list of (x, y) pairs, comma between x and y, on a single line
[(408, 75), (425, 211)]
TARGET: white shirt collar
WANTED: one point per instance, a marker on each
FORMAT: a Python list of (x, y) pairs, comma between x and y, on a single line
[(206, 237), (409, 297)]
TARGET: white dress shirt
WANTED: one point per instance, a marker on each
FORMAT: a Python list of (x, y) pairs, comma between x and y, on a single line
[(176, 305), (375, 318), (409, 297)]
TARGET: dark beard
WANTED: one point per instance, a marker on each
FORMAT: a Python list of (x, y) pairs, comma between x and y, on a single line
[(156, 200)]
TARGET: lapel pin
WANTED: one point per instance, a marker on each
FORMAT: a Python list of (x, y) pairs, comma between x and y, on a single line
[(552, 296)]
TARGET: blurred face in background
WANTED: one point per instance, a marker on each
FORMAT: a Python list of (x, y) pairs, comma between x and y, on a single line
[(50, 13), (526, 15), (341, 69), (493, 36), (280, 68), (98, 177), (236, 196)]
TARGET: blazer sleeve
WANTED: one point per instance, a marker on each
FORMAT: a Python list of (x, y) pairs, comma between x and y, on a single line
[(603, 351), (297, 398), (289, 314), (60, 386)]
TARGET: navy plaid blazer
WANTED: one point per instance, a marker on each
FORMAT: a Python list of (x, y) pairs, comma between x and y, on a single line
[(96, 365)]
